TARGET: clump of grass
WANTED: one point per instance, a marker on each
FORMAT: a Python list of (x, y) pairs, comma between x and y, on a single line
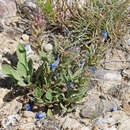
[(85, 25)]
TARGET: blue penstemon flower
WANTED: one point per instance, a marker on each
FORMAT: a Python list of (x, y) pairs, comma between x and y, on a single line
[(105, 34), (27, 107), (54, 65), (39, 115), (112, 110), (93, 69), (70, 85)]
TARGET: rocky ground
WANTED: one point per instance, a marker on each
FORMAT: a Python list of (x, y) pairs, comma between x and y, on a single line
[(107, 106)]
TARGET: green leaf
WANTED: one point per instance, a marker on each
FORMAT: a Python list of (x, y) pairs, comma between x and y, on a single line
[(48, 7), (8, 70), (22, 83), (49, 95), (56, 42), (77, 73), (30, 67), (28, 79), (21, 53), (49, 113), (70, 74), (22, 70), (43, 55), (38, 92), (63, 107)]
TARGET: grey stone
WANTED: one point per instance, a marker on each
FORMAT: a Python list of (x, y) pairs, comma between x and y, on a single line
[(29, 114), (10, 120), (96, 106), (107, 79), (47, 47), (125, 125), (115, 60), (48, 124), (7, 8), (12, 107), (108, 75), (28, 48), (72, 124), (110, 121), (92, 108)]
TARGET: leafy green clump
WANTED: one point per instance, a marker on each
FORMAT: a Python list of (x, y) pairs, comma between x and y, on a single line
[(56, 82)]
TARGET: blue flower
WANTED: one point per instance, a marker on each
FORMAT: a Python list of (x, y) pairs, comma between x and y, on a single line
[(70, 85), (93, 69), (81, 62), (56, 57), (39, 115), (53, 66), (27, 107), (112, 109), (104, 33)]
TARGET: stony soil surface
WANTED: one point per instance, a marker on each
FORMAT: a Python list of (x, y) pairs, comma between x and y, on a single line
[(107, 106)]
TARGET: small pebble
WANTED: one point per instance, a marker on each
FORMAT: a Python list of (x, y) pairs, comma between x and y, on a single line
[(47, 47), (28, 48), (25, 37)]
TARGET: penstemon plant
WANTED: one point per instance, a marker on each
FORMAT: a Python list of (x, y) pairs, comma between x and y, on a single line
[(57, 82)]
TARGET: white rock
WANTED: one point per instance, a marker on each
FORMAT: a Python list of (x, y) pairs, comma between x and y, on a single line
[(72, 124), (113, 76), (47, 47), (28, 48), (25, 37), (10, 120), (105, 123), (29, 114), (115, 60), (12, 107), (125, 125), (108, 79), (110, 119)]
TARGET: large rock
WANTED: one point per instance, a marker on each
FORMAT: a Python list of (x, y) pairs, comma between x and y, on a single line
[(107, 79), (115, 60), (96, 105), (7, 8), (117, 120), (12, 107), (73, 124)]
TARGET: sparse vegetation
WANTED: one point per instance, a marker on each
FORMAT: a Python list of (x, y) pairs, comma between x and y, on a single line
[(61, 79)]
